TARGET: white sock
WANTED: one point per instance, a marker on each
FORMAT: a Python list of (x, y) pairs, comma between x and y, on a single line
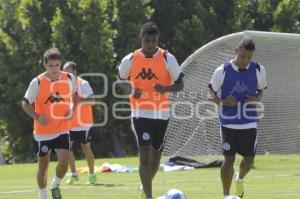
[(43, 193), (92, 174), (238, 179), (55, 182), (225, 196), (74, 174)]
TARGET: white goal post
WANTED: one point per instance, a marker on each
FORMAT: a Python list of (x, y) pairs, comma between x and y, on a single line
[(194, 129)]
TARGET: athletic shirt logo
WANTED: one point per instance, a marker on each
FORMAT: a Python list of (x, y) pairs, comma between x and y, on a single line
[(240, 87), (146, 136), (54, 98), (146, 74), (45, 149), (226, 146)]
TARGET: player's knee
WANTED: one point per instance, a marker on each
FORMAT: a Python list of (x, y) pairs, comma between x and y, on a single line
[(145, 160), (249, 161), (64, 158), (85, 148), (64, 162), (229, 160), (145, 151)]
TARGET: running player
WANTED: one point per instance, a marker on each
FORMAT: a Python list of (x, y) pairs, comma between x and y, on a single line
[(51, 93)]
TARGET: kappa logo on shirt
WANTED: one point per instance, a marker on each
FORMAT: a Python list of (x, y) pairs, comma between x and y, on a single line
[(54, 98), (240, 87), (146, 74)]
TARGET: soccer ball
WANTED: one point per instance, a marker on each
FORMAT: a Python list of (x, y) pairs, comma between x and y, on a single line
[(232, 197), (173, 194)]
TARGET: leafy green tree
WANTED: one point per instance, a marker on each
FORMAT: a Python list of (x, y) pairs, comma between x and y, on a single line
[(131, 15), (188, 24), (254, 15), (80, 29), (25, 34), (287, 16), (97, 34)]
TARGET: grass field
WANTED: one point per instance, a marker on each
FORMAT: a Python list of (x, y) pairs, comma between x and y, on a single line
[(274, 177)]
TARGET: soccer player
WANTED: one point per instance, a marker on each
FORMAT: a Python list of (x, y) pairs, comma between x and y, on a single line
[(51, 93), (237, 87), (82, 121), (153, 73)]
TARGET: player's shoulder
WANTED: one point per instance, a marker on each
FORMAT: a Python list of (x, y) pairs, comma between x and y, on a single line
[(68, 75), (260, 68), (35, 81), (127, 58), (169, 56), (40, 77), (83, 81), (221, 69)]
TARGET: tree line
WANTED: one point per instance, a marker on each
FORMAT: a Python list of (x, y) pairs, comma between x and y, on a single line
[(97, 34)]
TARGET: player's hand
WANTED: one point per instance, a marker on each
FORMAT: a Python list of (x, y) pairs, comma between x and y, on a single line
[(252, 99), (42, 120), (76, 98), (137, 93), (159, 88), (229, 101)]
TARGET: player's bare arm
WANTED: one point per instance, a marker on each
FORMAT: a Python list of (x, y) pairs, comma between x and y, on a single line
[(128, 89), (29, 110), (176, 87)]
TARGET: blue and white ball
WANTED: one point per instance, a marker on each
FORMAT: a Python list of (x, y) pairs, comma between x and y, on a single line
[(174, 194), (232, 197)]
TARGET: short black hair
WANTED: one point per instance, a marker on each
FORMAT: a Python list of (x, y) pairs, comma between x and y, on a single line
[(149, 28), (71, 64), (52, 53), (247, 44)]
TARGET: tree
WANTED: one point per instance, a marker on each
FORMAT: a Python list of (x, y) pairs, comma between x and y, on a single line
[(96, 34), (24, 31), (187, 25), (254, 15), (287, 16), (80, 29), (131, 15)]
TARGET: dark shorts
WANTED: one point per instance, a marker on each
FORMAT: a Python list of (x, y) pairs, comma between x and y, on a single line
[(82, 137), (42, 148), (149, 131), (241, 141)]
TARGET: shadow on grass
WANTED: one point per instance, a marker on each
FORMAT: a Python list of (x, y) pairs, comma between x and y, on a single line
[(97, 185)]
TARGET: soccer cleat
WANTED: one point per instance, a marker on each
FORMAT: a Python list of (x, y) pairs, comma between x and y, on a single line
[(239, 187), (142, 193), (92, 180), (56, 193), (72, 179)]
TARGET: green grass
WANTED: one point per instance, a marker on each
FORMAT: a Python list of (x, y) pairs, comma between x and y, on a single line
[(274, 177)]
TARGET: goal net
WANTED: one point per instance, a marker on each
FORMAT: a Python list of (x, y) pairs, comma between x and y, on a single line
[(194, 129)]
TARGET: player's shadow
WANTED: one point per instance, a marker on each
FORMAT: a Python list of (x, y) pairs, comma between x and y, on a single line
[(100, 185)]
